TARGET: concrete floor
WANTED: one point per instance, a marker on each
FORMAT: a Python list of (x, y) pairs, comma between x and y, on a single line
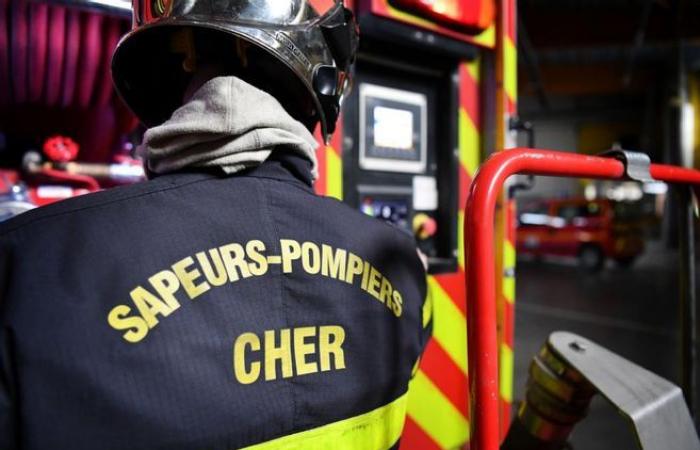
[(633, 312)]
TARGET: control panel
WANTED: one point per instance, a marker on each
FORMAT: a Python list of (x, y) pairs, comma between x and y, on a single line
[(399, 157)]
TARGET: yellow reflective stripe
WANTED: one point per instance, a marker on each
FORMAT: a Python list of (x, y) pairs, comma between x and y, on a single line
[(460, 238), (487, 38), (378, 429), (509, 265), (506, 373), (469, 149), (474, 69), (410, 18), (427, 309), (509, 289), (509, 254), (510, 61), (449, 325), (435, 414), (334, 174)]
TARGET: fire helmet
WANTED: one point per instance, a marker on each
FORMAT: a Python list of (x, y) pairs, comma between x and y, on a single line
[(300, 51)]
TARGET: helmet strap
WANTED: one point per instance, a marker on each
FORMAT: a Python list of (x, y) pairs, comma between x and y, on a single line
[(341, 34)]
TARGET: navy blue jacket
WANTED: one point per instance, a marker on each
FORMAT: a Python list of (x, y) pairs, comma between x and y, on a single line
[(201, 311)]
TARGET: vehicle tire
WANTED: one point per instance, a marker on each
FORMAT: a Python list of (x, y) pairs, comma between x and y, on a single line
[(591, 258), (625, 262)]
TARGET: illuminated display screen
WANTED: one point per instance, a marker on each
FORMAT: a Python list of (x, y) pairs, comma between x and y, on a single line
[(393, 128)]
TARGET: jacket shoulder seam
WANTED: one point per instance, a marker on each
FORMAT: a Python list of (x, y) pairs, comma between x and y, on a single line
[(94, 206)]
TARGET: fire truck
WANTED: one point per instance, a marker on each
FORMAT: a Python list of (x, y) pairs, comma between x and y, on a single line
[(435, 94)]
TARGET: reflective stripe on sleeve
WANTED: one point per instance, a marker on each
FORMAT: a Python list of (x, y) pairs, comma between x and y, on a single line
[(378, 429)]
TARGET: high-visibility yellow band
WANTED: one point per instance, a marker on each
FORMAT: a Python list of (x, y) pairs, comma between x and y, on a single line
[(508, 254), (506, 373), (487, 38), (378, 429), (510, 75), (427, 309), (410, 18), (509, 289), (474, 69), (469, 148), (334, 174), (449, 325), (435, 414), (460, 238)]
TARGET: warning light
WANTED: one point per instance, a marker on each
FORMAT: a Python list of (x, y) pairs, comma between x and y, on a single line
[(469, 16), (61, 149)]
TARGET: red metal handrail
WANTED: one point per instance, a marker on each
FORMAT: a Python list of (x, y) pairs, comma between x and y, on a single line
[(481, 272)]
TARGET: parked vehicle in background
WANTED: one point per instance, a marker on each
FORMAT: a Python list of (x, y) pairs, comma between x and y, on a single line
[(590, 230)]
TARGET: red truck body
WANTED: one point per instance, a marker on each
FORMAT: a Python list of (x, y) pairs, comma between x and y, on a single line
[(591, 230)]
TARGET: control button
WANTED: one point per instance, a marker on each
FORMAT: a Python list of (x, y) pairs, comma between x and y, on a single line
[(424, 226)]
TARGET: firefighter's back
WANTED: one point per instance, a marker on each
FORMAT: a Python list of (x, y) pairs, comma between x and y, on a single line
[(198, 311)]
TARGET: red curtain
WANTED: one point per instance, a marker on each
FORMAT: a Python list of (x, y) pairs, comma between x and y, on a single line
[(55, 76)]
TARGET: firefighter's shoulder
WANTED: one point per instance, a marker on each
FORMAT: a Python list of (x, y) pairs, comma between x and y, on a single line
[(90, 204), (387, 235), (393, 249)]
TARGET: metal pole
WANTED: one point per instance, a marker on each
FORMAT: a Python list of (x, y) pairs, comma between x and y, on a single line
[(688, 300), (478, 234)]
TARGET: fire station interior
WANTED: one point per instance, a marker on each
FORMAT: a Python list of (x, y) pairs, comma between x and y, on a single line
[(596, 75), (439, 88)]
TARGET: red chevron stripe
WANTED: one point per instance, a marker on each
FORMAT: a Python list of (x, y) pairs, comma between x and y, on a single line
[(510, 221), (469, 96), (510, 104), (445, 374), (380, 6), (414, 438), (504, 417), (511, 19), (453, 285)]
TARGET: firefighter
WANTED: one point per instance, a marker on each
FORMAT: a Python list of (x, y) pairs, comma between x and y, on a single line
[(221, 304)]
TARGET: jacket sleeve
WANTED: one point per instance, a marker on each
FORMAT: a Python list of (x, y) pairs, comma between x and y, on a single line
[(8, 406)]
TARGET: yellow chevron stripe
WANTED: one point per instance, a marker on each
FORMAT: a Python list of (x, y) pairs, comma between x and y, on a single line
[(334, 174), (510, 61), (410, 18), (427, 309), (506, 373), (487, 38), (509, 264), (460, 237), (469, 154), (474, 69), (435, 414), (449, 325), (469, 140), (509, 289)]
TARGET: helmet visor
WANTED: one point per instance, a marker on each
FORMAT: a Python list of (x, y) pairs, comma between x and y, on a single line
[(254, 12)]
